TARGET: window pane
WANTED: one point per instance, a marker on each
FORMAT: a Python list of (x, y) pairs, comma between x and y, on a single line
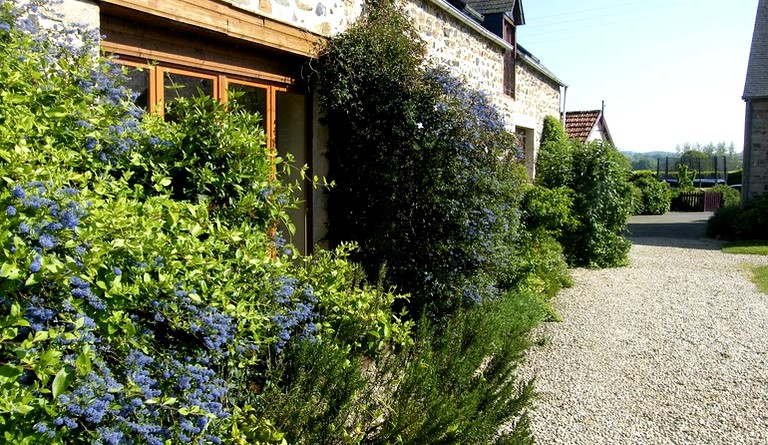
[(291, 123), (138, 82), (179, 85), (252, 99)]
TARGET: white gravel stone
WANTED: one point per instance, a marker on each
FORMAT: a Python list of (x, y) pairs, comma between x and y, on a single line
[(672, 349)]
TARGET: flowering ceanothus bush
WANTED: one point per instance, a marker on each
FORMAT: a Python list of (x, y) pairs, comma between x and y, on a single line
[(133, 310), (427, 179)]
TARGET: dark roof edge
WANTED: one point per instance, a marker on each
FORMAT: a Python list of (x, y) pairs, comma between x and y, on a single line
[(535, 63)]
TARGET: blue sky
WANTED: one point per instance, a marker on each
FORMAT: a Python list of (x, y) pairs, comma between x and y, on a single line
[(669, 71)]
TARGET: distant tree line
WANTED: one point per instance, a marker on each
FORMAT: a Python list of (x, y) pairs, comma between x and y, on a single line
[(689, 153)]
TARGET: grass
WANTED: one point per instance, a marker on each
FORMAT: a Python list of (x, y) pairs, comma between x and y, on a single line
[(752, 247), (760, 277), (759, 274)]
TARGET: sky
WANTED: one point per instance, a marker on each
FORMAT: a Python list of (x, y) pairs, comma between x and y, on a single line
[(669, 71)]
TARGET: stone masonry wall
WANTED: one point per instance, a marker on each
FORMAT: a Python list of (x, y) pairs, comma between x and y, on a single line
[(467, 54), (537, 96), (758, 149), (323, 17)]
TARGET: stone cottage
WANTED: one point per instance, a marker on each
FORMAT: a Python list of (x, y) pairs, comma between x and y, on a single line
[(756, 96), (259, 47)]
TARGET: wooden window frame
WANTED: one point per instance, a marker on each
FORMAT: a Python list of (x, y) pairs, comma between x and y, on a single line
[(221, 82)]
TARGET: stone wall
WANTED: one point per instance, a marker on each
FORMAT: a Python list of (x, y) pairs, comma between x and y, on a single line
[(467, 54), (79, 12), (323, 17), (536, 96), (758, 149)]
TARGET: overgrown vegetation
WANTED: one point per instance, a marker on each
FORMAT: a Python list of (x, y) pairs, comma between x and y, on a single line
[(427, 180), (652, 197), (735, 223), (595, 174), (145, 299), (140, 302)]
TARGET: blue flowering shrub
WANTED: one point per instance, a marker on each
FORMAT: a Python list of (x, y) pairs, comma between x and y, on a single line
[(143, 298), (597, 176), (427, 179)]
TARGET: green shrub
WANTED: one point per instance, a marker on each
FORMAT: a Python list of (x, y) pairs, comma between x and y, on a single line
[(553, 130), (731, 196), (426, 179), (636, 199), (637, 174), (734, 177), (602, 199), (656, 196), (749, 223), (133, 309)]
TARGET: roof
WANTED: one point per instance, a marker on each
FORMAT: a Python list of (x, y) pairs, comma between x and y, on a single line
[(579, 124), (513, 8), (526, 56), (491, 6), (756, 85)]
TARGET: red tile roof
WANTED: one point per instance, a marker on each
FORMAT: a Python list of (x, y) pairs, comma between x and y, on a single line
[(578, 124)]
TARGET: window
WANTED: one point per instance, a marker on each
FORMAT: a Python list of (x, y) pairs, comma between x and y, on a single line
[(283, 113), (525, 144), (509, 58), (167, 62)]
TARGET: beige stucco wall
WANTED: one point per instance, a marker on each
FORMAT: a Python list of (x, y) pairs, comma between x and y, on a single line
[(756, 161)]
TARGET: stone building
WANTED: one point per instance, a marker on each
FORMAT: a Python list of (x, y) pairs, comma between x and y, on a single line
[(260, 47), (756, 122)]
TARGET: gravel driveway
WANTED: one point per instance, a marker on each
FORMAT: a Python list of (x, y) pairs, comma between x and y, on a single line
[(670, 350)]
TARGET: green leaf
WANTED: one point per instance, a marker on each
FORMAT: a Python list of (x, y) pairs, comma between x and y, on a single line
[(62, 380), (23, 409), (56, 112), (83, 363), (9, 373), (10, 271)]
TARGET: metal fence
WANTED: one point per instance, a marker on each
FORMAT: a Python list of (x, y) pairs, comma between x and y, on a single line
[(707, 172)]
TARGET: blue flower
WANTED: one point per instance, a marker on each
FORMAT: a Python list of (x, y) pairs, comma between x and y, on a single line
[(18, 192), (117, 271), (47, 241), (37, 263), (11, 211)]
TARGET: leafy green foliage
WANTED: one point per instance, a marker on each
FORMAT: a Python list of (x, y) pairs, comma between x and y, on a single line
[(139, 297), (553, 131), (455, 385), (731, 196), (749, 223), (656, 197), (426, 179), (597, 175), (685, 178)]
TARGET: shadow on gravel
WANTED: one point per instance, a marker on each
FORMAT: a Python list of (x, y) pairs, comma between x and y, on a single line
[(673, 229)]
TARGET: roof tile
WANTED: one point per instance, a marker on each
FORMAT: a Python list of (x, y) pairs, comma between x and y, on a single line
[(578, 124)]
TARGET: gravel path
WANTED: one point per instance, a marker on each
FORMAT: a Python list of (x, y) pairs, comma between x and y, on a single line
[(670, 350)]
